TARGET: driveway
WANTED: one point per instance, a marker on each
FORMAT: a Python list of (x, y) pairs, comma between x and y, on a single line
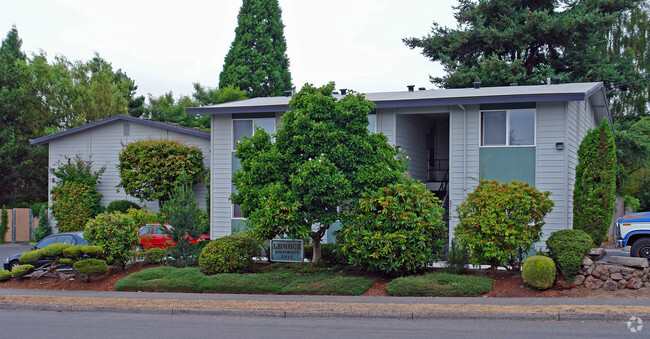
[(8, 250)]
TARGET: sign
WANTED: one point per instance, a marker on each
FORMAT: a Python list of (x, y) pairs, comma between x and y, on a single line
[(286, 250)]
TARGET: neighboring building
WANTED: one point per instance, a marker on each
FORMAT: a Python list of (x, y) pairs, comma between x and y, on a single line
[(453, 136), (103, 140)]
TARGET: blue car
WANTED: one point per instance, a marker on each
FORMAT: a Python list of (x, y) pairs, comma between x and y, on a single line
[(72, 238)]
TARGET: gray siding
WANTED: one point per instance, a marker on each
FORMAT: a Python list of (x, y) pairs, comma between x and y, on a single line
[(551, 176), (386, 124), (221, 176), (412, 138), (103, 144)]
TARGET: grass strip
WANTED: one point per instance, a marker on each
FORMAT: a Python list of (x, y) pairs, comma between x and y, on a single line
[(190, 279), (440, 285)]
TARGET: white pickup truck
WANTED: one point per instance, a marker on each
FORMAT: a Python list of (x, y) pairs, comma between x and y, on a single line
[(634, 230)]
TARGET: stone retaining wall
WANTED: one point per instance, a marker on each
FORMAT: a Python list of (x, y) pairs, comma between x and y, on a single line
[(611, 277)]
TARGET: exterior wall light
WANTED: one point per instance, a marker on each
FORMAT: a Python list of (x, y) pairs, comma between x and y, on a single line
[(559, 146)]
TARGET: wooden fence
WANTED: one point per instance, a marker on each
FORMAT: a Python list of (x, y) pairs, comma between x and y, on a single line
[(21, 225)]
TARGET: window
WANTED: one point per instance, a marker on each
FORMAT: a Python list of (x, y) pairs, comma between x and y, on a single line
[(67, 239), (372, 123), (241, 128), (508, 128)]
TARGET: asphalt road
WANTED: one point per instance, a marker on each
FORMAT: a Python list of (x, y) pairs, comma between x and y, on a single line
[(11, 249), (47, 324)]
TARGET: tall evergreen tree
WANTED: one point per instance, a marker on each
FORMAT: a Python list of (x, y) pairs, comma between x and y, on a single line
[(23, 168), (499, 42), (257, 61)]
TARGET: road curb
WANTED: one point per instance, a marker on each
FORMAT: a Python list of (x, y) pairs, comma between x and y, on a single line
[(326, 314)]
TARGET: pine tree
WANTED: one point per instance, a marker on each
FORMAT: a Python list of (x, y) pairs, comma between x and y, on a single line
[(257, 62)]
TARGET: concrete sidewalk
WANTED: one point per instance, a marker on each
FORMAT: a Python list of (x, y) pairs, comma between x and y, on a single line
[(617, 309)]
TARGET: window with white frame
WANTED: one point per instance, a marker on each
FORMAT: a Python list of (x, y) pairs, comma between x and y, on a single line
[(508, 127), (246, 127)]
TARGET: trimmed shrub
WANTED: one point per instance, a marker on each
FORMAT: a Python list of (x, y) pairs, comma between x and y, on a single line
[(93, 251), (74, 252), (5, 275), (567, 248), (91, 267), (116, 234), (22, 270), (500, 222), (539, 272), (43, 229), (121, 206), (66, 261), (55, 250), (228, 254), (457, 258), (155, 255), (595, 185), (396, 229), (31, 256), (142, 217)]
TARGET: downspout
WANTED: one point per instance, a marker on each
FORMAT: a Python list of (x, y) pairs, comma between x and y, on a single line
[(464, 150)]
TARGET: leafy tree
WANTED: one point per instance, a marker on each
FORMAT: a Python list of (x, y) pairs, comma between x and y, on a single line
[(23, 168), (183, 213), (499, 222), (257, 62), (323, 159), (75, 198), (4, 224), (595, 185), (396, 229), (43, 229), (499, 42), (116, 234), (151, 168)]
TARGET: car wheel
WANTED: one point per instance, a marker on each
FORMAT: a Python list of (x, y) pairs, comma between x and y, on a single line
[(641, 248), (13, 264)]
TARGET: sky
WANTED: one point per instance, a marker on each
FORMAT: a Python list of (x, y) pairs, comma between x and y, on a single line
[(168, 45)]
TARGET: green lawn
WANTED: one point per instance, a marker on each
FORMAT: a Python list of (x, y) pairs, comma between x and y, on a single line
[(276, 279), (440, 285)]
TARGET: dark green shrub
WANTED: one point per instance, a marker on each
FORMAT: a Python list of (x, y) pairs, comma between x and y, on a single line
[(116, 234), (155, 256), (329, 253), (54, 250), (75, 198), (22, 270), (66, 261), (595, 185), (5, 275), (440, 285), (457, 258), (567, 248), (122, 206), (91, 267), (74, 252), (93, 251), (395, 229), (229, 254), (539, 272), (31, 256), (43, 229), (499, 222), (4, 224)]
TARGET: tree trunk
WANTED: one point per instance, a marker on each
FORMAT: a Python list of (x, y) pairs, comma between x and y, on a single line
[(315, 239)]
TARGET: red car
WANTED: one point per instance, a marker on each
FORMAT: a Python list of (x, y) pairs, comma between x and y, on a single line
[(154, 236)]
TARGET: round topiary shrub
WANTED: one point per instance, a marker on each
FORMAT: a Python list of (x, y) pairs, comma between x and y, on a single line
[(91, 267), (396, 229), (31, 256), (567, 248), (66, 261), (22, 270), (93, 251), (155, 255), (5, 275), (75, 251), (538, 271), (55, 250), (121, 206), (228, 254), (116, 233)]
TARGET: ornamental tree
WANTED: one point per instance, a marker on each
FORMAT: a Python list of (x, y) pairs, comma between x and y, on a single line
[(150, 168), (595, 186), (500, 221), (321, 162), (257, 61)]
